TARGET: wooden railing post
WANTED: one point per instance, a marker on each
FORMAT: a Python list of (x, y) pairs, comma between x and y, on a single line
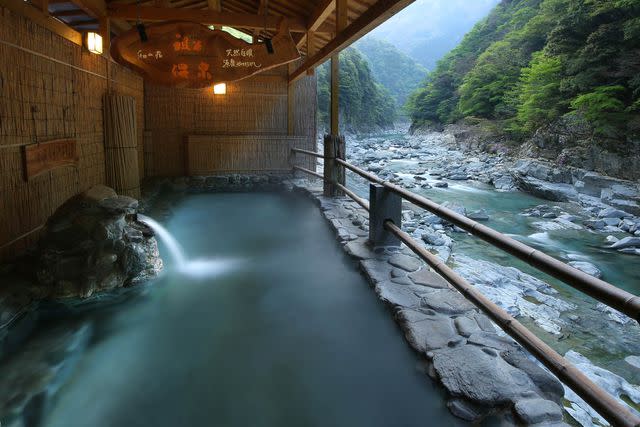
[(384, 205), (334, 148)]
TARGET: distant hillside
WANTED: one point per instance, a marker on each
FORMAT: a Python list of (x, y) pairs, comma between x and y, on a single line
[(395, 70), (427, 29), (365, 105), (533, 63)]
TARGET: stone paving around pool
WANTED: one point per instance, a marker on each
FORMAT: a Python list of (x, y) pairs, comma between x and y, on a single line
[(484, 372)]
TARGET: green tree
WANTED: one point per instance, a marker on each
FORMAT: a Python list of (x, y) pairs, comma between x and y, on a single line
[(364, 104), (539, 97)]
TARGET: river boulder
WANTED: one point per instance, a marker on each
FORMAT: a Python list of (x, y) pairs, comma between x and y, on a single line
[(546, 190), (94, 242)]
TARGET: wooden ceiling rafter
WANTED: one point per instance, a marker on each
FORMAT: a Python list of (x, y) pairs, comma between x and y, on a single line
[(207, 17), (374, 16)]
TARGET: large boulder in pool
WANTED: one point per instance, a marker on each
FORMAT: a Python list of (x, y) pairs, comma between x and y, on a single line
[(94, 242)]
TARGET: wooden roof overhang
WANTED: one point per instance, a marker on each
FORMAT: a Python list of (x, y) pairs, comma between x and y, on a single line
[(320, 28)]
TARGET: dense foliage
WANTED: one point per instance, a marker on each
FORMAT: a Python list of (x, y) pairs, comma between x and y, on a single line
[(531, 62), (395, 70), (365, 105)]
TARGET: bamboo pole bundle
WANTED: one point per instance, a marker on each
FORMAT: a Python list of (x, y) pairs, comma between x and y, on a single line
[(121, 144)]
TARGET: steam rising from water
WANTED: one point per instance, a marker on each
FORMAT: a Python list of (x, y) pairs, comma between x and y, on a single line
[(202, 267)]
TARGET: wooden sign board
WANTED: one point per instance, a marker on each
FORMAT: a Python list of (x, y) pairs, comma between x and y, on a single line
[(43, 157), (192, 55)]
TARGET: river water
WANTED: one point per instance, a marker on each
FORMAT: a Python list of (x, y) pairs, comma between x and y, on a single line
[(289, 334), (584, 329)]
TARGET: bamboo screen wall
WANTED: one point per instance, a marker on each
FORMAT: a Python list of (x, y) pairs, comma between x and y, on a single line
[(50, 88), (255, 106)]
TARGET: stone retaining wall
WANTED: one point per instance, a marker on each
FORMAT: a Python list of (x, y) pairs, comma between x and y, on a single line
[(484, 371)]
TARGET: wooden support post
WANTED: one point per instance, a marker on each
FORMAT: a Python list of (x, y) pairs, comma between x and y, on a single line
[(334, 147), (311, 50), (383, 205), (105, 32), (216, 6), (45, 7), (341, 24), (335, 94), (291, 94)]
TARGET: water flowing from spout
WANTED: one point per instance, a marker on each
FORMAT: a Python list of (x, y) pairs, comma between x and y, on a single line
[(196, 268), (177, 252)]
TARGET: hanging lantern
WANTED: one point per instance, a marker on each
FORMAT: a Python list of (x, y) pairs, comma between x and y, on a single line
[(220, 89), (94, 43)]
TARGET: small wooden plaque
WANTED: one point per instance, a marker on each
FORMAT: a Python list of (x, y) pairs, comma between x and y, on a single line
[(45, 156)]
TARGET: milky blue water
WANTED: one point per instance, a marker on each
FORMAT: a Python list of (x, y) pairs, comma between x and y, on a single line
[(288, 334)]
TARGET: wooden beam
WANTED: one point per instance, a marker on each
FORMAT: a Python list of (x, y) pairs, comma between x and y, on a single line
[(66, 13), (105, 32), (341, 24), (214, 5), (45, 7), (320, 14), (374, 16), (311, 49), (98, 9), (207, 17), (291, 94), (25, 9), (95, 8)]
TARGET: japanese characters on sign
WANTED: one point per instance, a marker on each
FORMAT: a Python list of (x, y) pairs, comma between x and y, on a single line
[(192, 55)]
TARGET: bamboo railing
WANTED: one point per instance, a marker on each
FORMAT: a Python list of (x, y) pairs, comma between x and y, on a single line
[(569, 374)]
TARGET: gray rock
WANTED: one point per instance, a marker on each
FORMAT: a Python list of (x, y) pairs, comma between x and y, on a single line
[(479, 215), (405, 262), (546, 190), (466, 326), (426, 277), (626, 242), (434, 239), (613, 213), (402, 281), (586, 267), (466, 410), (427, 332), (396, 272), (359, 249), (395, 295), (94, 243), (375, 270), (446, 301), (505, 183), (482, 377), (441, 184), (535, 411), (492, 340), (595, 224), (548, 385), (633, 361)]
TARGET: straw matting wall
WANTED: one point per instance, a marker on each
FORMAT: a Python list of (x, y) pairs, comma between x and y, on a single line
[(50, 89), (121, 144), (210, 154), (255, 106)]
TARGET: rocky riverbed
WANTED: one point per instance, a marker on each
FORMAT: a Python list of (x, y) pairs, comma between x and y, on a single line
[(585, 219)]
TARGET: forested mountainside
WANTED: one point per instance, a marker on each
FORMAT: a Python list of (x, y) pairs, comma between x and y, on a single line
[(395, 70), (365, 105), (428, 29), (536, 63)]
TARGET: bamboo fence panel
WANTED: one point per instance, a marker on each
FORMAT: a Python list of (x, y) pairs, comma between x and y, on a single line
[(50, 89), (210, 154), (254, 106), (121, 144)]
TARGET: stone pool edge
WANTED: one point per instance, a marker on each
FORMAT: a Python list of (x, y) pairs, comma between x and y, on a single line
[(483, 372)]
